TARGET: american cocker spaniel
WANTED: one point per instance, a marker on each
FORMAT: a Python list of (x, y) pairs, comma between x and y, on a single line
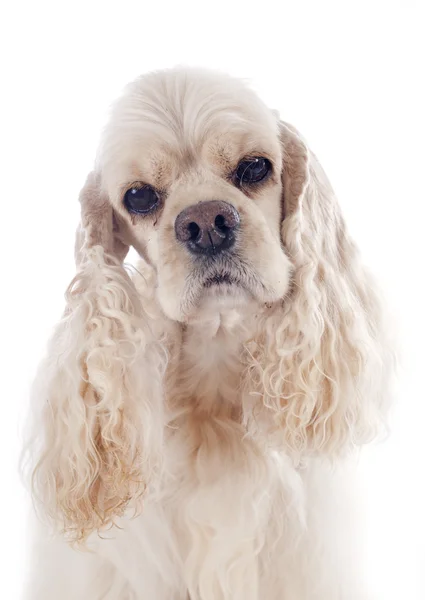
[(197, 414)]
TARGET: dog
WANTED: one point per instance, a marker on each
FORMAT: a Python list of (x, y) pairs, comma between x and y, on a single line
[(197, 416)]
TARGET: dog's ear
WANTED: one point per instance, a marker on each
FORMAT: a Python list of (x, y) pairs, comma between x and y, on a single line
[(326, 364), (99, 224), (100, 386)]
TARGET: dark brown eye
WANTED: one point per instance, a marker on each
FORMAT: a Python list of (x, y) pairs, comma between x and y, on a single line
[(252, 170), (141, 200)]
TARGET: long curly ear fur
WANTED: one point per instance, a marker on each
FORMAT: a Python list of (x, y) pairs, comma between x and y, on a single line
[(101, 421), (322, 363)]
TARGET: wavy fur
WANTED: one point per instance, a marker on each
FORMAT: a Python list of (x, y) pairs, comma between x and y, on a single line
[(100, 392), (229, 412), (322, 363)]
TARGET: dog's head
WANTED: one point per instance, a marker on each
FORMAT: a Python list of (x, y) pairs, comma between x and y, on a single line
[(192, 165), (231, 209)]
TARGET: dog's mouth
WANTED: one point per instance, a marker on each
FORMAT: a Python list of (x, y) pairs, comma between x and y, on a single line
[(219, 279), (225, 280), (215, 287)]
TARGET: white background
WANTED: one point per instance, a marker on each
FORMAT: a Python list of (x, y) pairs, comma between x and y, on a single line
[(347, 74)]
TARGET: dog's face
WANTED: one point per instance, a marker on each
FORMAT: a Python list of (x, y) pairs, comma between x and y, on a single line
[(192, 167)]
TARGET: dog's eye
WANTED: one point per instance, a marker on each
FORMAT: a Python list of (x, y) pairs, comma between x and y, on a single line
[(141, 200), (252, 170)]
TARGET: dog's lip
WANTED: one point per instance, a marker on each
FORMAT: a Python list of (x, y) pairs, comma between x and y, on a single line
[(223, 278)]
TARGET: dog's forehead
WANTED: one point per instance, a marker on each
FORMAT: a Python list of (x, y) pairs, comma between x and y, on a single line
[(192, 102), (177, 114)]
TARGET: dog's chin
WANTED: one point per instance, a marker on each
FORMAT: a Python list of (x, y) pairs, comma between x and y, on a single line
[(220, 293), (224, 293), (220, 298)]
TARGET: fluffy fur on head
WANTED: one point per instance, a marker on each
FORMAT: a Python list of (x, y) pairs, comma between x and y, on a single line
[(208, 381)]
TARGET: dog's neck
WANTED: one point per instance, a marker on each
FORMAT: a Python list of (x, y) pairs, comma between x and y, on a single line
[(210, 364)]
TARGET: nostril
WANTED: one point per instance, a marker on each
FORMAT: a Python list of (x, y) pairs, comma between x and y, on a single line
[(207, 227), (220, 222), (194, 230)]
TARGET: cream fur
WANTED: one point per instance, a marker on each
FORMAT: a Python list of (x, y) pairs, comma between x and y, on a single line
[(225, 421)]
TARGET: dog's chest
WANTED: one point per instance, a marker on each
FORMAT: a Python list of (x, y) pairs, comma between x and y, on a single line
[(220, 503), (219, 498), (213, 491)]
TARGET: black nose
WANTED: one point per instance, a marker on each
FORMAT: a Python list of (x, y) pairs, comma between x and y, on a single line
[(207, 227)]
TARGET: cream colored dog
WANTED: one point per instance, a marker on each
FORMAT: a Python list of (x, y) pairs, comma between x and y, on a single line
[(197, 418)]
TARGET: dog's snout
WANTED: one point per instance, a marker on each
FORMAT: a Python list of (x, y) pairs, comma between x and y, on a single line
[(207, 227)]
